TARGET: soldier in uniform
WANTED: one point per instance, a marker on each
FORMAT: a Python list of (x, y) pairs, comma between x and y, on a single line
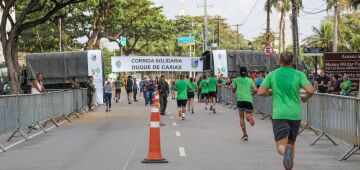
[(163, 88)]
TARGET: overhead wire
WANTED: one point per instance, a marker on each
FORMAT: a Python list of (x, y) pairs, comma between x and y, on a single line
[(251, 11)]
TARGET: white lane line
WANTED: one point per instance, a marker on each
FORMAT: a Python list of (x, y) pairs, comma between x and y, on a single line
[(178, 134), (174, 124), (182, 152), (171, 117), (140, 138), (30, 137)]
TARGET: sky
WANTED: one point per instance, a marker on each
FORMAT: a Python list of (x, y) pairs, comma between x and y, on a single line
[(235, 11)]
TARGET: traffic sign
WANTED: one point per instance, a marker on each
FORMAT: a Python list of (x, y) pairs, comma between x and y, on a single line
[(185, 41), (268, 37), (268, 51), (123, 41)]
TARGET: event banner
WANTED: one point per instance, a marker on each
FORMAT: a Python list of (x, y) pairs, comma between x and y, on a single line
[(95, 70), (220, 62), (344, 63), (156, 63)]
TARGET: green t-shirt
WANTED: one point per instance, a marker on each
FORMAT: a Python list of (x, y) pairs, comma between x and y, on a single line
[(346, 92), (182, 87), (286, 84), (204, 87), (193, 86), (212, 84), (243, 86)]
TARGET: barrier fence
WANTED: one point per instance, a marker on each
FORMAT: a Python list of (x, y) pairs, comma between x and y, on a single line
[(325, 114), (21, 111)]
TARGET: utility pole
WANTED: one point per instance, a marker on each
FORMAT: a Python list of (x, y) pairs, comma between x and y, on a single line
[(60, 34), (206, 26), (218, 19), (336, 26), (237, 36)]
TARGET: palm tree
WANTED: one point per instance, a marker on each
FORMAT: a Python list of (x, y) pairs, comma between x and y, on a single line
[(339, 6), (295, 5), (282, 6), (322, 37)]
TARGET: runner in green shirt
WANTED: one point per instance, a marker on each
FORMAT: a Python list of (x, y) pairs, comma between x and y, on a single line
[(345, 86), (244, 88), (284, 85), (191, 94), (205, 91), (213, 82), (182, 87)]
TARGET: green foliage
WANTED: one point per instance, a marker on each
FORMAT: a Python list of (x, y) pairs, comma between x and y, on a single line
[(349, 29)]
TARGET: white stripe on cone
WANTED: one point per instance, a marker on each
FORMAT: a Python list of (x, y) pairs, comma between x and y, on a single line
[(155, 124), (155, 109)]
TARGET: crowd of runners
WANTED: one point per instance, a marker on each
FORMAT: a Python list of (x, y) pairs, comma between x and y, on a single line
[(283, 84)]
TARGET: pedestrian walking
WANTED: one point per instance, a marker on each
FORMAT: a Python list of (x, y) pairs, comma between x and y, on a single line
[(150, 89), (117, 84), (90, 91), (244, 88), (182, 87), (213, 83), (205, 91), (108, 88), (135, 90), (284, 85), (173, 91), (129, 88), (141, 88), (164, 91), (191, 94)]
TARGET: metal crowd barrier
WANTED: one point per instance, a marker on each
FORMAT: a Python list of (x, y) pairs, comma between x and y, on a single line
[(20, 111), (326, 115)]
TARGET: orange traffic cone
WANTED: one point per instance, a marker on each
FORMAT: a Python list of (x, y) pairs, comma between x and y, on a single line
[(156, 99), (154, 155)]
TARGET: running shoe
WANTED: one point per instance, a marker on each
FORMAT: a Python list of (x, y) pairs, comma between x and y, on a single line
[(287, 162), (245, 138), (250, 119), (192, 111), (205, 108), (211, 108), (214, 111)]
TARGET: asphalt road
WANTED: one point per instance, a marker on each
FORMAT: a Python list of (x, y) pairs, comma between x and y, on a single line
[(204, 141)]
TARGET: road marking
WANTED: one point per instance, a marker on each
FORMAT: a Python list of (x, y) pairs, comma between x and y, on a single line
[(171, 117), (182, 151), (174, 124), (178, 134), (135, 147), (30, 137)]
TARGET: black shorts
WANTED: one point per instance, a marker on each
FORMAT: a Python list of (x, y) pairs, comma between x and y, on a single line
[(128, 91), (191, 95), (205, 95), (212, 94), (244, 106), (181, 103), (117, 91), (286, 128)]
